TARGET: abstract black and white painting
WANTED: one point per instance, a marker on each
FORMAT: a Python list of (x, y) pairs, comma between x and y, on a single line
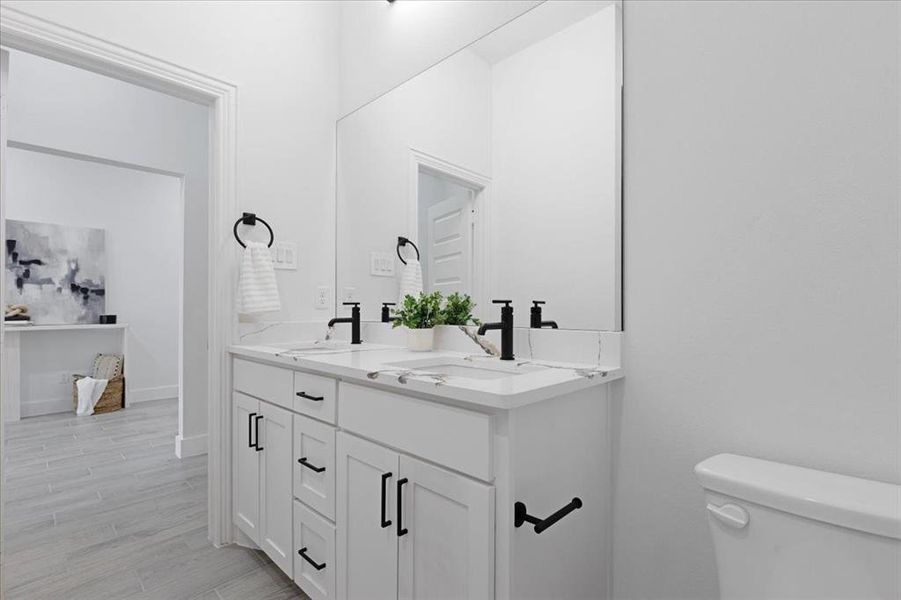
[(57, 271)]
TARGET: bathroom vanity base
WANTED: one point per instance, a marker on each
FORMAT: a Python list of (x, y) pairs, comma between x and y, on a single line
[(395, 494)]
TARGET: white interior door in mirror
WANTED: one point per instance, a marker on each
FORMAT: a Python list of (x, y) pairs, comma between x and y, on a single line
[(534, 109), (446, 235)]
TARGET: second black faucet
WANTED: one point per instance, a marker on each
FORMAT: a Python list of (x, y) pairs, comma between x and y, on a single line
[(506, 327)]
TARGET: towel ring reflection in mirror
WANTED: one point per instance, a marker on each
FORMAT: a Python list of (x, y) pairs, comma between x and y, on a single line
[(402, 241)]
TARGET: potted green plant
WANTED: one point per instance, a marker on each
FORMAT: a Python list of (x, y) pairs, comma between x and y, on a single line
[(458, 310), (420, 315)]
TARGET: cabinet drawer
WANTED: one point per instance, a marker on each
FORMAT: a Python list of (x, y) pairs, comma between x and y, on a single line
[(314, 478), (315, 396), (455, 437), (265, 382), (315, 537)]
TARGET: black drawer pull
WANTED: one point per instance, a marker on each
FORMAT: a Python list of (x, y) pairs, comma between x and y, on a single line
[(309, 397), (257, 428), (304, 462), (303, 555), (250, 442), (401, 530), (520, 515), (385, 478)]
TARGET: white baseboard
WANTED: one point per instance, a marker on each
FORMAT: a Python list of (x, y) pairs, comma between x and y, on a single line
[(195, 445), (163, 392), (46, 406)]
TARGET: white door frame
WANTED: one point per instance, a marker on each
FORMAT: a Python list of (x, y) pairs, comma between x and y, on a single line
[(24, 32), (481, 217)]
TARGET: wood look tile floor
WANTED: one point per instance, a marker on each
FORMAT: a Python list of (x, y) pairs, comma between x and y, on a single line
[(100, 508)]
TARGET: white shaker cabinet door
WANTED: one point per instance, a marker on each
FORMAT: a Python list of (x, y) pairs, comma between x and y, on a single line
[(446, 549), (246, 470), (276, 476), (365, 520)]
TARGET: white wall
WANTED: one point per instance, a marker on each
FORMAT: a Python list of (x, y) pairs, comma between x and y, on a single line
[(555, 210), (141, 213), (56, 106), (383, 44), (761, 261), (283, 58)]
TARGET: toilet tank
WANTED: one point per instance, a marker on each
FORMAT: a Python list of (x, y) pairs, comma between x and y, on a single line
[(781, 531)]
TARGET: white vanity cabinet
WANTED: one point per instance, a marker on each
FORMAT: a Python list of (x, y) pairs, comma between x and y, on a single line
[(408, 529), (358, 491), (262, 476)]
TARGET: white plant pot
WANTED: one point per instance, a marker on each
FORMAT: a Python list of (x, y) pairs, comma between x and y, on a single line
[(420, 340)]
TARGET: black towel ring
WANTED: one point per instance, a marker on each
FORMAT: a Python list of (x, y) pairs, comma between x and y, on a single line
[(402, 241), (251, 219)]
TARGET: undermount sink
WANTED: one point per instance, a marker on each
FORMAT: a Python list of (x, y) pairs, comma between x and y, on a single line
[(317, 347), (470, 369)]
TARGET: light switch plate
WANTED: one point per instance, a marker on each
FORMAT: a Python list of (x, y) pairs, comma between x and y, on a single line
[(284, 255), (381, 264)]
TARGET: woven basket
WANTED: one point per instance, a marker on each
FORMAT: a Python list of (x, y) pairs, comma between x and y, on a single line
[(111, 367)]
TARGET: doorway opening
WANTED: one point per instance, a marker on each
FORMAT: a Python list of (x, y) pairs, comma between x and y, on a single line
[(450, 214)]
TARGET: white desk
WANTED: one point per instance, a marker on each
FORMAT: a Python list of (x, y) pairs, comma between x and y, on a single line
[(12, 368)]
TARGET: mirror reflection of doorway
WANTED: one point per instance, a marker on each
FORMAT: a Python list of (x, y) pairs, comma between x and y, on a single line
[(446, 230)]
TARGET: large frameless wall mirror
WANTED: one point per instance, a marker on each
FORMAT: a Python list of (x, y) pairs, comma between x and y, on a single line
[(502, 165)]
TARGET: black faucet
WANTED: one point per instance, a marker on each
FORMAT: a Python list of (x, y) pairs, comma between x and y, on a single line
[(353, 319), (386, 312), (535, 321), (506, 327)]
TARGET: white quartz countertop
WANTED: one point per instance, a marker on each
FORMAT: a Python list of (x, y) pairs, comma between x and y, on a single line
[(529, 380)]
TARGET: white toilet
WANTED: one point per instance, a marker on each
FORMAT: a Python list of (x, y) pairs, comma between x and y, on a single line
[(781, 531)]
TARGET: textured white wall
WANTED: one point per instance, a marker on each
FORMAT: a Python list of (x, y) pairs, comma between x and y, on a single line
[(138, 211), (383, 44), (761, 261)]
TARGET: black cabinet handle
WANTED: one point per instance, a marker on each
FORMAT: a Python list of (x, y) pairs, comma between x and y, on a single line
[(385, 478), (309, 397), (304, 462), (250, 442), (520, 515), (401, 530), (303, 555), (257, 429)]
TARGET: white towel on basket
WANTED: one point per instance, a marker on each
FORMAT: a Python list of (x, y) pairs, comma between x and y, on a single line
[(410, 280), (89, 392), (257, 291)]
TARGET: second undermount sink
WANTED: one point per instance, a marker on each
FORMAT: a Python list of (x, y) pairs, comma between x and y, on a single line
[(467, 368)]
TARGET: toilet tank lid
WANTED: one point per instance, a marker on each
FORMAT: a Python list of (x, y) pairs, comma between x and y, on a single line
[(851, 502)]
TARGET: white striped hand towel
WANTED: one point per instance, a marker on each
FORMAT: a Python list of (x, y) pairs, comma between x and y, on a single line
[(410, 280), (257, 291)]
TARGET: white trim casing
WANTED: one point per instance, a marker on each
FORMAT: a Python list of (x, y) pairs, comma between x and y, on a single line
[(195, 445), (25, 32)]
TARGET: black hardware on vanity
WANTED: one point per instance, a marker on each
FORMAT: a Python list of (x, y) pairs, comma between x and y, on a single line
[(520, 515), (303, 461), (353, 319), (251, 219), (401, 530), (256, 425), (309, 397), (250, 442), (303, 555), (402, 241), (535, 321), (386, 312), (506, 327), (385, 478)]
